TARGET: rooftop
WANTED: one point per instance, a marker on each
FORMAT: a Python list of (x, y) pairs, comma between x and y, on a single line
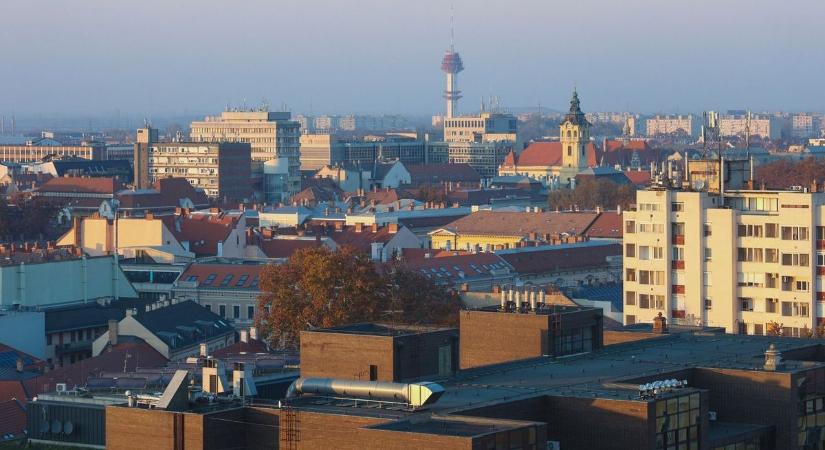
[(379, 329)]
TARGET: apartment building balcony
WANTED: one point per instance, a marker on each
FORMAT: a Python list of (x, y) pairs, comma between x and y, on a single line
[(678, 289), (678, 239), (680, 265)]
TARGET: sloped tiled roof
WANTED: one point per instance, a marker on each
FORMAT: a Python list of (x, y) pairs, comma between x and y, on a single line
[(363, 240), (546, 154), (128, 355), (551, 258), (638, 177), (523, 223), (608, 225), (11, 389), (224, 276), (12, 419), (101, 185), (90, 315), (183, 324), (202, 231), (284, 248), (165, 193), (452, 267)]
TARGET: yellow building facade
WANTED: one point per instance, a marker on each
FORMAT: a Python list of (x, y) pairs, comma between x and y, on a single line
[(746, 262)]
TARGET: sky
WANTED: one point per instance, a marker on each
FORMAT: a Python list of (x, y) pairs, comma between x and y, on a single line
[(156, 57)]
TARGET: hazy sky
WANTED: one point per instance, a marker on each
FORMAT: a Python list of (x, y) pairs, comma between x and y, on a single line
[(373, 56)]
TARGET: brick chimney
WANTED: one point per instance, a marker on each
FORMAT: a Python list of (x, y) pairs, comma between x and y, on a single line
[(773, 359), (113, 332), (392, 228), (359, 227), (374, 227), (659, 324)]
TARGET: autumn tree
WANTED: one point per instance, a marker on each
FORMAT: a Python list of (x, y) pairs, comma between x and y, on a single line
[(320, 288), (431, 193), (590, 193), (783, 174)]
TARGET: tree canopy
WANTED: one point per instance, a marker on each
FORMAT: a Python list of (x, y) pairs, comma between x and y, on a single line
[(591, 193), (319, 288), (783, 174)]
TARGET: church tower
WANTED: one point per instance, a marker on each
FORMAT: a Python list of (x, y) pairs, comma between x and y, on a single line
[(575, 135)]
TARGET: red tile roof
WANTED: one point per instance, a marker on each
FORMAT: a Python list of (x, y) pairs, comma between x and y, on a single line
[(608, 225), (224, 276), (102, 185), (203, 231), (29, 362), (638, 177), (12, 419), (544, 154), (10, 389), (523, 223), (363, 240), (553, 258), (128, 355), (253, 346), (165, 193)]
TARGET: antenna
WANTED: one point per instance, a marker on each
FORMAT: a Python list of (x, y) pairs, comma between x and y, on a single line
[(452, 29)]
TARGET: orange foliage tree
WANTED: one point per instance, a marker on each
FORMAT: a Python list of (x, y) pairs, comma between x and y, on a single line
[(319, 288)]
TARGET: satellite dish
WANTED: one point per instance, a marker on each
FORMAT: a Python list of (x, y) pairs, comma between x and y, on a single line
[(68, 427), (57, 426), (699, 185)]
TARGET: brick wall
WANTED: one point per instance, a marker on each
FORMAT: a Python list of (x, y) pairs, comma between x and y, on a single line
[(494, 337), (155, 429), (346, 356)]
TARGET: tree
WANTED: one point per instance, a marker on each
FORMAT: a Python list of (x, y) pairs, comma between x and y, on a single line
[(431, 193), (320, 288), (590, 193)]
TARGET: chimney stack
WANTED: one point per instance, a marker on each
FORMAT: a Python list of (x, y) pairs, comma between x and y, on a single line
[(204, 352), (245, 336), (19, 365), (253, 333), (659, 324), (773, 359), (113, 332)]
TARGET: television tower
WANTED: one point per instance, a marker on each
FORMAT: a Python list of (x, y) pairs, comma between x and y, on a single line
[(451, 65)]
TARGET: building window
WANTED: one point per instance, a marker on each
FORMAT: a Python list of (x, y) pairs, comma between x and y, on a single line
[(771, 230), (678, 253), (630, 275), (236, 311), (373, 372), (708, 254), (771, 305), (250, 312), (630, 298), (708, 304), (746, 304), (630, 226), (794, 233), (677, 206), (630, 250), (208, 306), (707, 230), (222, 311), (677, 422)]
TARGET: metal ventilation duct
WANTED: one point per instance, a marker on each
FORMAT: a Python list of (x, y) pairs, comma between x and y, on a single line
[(414, 394)]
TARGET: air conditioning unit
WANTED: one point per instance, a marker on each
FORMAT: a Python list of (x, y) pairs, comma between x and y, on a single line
[(712, 415), (553, 445), (60, 387)]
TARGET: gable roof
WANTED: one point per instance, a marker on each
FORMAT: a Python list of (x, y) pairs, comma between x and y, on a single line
[(547, 154), (552, 258), (453, 267), (126, 355), (78, 185), (362, 240), (203, 231), (284, 248), (638, 177), (165, 193), (12, 419), (440, 173), (10, 355), (523, 223), (607, 225), (224, 276), (183, 324), (89, 315)]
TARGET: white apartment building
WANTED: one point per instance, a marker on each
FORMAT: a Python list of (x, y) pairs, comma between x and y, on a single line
[(271, 135), (664, 125), (745, 263), (738, 125)]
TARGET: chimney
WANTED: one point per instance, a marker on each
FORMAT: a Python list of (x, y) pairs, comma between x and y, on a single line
[(359, 227), (245, 336), (149, 216), (393, 228), (19, 365), (204, 351), (113, 332), (750, 184), (773, 359), (253, 333), (339, 226), (814, 186), (214, 210), (374, 227), (659, 324)]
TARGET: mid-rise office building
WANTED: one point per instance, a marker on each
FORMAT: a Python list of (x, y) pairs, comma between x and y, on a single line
[(486, 127), (320, 150), (665, 125), (221, 169), (750, 261), (804, 125), (271, 135), (27, 150)]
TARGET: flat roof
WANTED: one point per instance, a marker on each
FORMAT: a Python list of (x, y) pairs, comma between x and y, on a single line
[(380, 329), (453, 426)]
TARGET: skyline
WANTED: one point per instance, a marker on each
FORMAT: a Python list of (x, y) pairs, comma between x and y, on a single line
[(154, 59)]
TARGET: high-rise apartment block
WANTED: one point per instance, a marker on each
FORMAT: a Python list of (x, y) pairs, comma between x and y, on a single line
[(221, 169), (765, 127), (486, 127), (751, 261), (271, 135), (665, 125), (804, 125)]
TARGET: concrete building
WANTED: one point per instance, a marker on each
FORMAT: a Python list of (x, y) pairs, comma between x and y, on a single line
[(30, 150), (668, 125), (804, 126), (35, 277), (486, 127), (484, 157), (748, 261), (321, 150), (271, 135), (221, 169), (228, 288), (765, 127), (24, 330)]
